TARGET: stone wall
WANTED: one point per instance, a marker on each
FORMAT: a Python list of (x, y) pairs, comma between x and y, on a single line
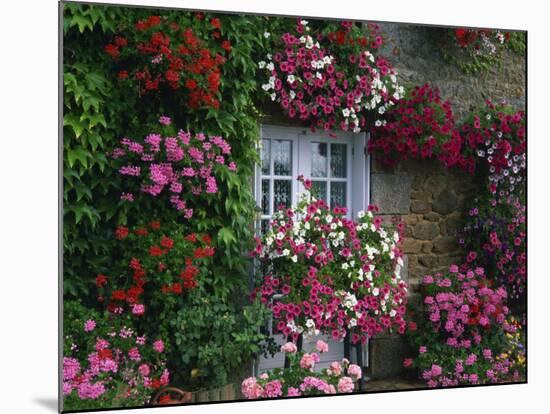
[(430, 199)]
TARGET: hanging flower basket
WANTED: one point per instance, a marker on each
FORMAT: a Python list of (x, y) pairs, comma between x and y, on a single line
[(331, 78)]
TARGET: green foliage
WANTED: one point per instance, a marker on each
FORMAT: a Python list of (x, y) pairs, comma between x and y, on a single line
[(98, 111), (477, 50), (518, 42), (214, 338)]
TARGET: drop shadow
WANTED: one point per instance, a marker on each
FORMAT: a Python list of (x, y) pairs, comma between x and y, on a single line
[(50, 403)]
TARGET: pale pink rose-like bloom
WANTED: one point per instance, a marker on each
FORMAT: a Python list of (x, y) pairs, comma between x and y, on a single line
[(144, 370), (345, 385), (273, 389), (251, 389), (165, 377), (307, 361), (354, 371), (134, 354), (335, 369), (289, 348), (89, 325), (138, 309), (264, 376), (293, 392), (158, 346), (321, 346)]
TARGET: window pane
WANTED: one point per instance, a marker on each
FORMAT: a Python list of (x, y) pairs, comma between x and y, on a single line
[(281, 152), (282, 193), (266, 157), (319, 189), (319, 159), (264, 226), (338, 160), (337, 194), (265, 197)]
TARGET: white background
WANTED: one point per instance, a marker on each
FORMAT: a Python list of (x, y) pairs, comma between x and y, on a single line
[(28, 207)]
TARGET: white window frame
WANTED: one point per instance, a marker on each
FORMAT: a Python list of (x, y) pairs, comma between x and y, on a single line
[(358, 165)]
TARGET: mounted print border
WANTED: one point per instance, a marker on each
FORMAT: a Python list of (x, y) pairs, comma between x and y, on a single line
[(259, 207)]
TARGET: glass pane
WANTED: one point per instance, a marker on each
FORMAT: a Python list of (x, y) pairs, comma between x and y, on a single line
[(318, 159), (264, 226), (281, 152), (282, 194), (338, 160), (337, 194), (319, 189), (266, 157), (265, 197)]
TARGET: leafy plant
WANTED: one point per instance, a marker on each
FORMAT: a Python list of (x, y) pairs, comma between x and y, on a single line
[(216, 339)]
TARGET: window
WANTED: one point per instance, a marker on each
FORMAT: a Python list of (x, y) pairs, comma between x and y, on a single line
[(337, 167)]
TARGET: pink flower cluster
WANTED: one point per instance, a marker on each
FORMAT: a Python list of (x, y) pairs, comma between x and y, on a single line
[(471, 340), (301, 378), (331, 79), (112, 362), (182, 167), (463, 306)]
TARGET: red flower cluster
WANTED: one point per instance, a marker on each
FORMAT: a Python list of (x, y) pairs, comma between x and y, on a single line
[(179, 56), (155, 266), (473, 37), (421, 126)]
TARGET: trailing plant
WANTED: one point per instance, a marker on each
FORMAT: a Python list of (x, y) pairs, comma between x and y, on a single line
[(301, 379), (495, 234), (477, 50), (106, 363), (496, 135), (330, 75), (323, 272), (420, 126)]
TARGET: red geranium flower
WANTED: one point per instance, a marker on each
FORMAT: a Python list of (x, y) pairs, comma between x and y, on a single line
[(118, 295), (121, 232), (226, 44), (112, 50), (215, 22), (100, 280), (166, 242), (155, 251)]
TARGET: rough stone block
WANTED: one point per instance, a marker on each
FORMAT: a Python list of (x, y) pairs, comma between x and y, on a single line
[(432, 216), (445, 202), (420, 206), (445, 244), (427, 247), (386, 356), (428, 260), (411, 246), (451, 225), (425, 230), (391, 192)]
